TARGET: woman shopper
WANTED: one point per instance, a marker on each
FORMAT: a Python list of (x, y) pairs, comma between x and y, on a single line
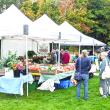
[(104, 83), (83, 65)]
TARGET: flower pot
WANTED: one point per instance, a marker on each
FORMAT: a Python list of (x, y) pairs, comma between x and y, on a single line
[(17, 73)]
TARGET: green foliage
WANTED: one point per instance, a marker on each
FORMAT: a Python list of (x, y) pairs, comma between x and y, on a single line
[(31, 54), (4, 4), (35, 8), (1, 63), (81, 3), (28, 9), (99, 12), (10, 60), (53, 11)]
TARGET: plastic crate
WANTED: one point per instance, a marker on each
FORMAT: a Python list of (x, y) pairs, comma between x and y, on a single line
[(63, 84)]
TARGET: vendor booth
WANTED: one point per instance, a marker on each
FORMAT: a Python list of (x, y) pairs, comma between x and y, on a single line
[(43, 29)]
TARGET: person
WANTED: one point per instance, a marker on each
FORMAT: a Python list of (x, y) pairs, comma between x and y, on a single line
[(61, 55), (104, 83), (53, 57), (83, 65), (74, 57), (57, 53), (65, 57)]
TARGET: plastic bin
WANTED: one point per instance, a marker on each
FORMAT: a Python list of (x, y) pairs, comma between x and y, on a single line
[(63, 84)]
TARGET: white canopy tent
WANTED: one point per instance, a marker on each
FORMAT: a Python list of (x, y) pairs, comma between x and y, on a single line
[(44, 29), (69, 33), (84, 39), (12, 21)]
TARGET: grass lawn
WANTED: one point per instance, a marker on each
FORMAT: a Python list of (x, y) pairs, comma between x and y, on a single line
[(61, 99)]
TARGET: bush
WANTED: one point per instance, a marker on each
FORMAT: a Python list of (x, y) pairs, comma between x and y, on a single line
[(31, 54)]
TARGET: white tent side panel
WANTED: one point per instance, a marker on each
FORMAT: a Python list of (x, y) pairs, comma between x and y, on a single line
[(16, 46)]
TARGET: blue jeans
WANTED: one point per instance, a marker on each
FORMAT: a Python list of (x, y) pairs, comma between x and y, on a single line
[(85, 78), (105, 84)]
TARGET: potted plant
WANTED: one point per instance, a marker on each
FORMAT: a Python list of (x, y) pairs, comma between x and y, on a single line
[(19, 68), (11, 62), (16, 70)]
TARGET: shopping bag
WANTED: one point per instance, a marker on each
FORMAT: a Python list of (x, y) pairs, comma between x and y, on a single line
[(78, 76), (106, 72)]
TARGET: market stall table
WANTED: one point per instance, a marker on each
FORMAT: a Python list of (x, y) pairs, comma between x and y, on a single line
[(13, 85), (55, 77)]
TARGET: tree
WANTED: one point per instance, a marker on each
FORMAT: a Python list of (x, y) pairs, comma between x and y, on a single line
[(4, 4), (99, 12), (28, 9)]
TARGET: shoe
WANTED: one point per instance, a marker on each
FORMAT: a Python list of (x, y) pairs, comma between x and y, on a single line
[(104, 96), (78, 98), (85, 98)]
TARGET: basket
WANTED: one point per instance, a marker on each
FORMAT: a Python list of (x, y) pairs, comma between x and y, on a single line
[(48, 72)]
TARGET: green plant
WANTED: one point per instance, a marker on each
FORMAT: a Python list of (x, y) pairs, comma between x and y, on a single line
[(31, 54), (1, 64), (10, 60)]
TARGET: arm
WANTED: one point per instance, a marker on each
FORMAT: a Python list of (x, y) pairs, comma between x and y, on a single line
[(89, 65), (102, 66)]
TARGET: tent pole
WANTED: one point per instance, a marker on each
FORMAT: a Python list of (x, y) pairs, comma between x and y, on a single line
[(79, 49), (37, 46), (59, 49), (25, 32), (26, 62), (80, 45), (93, 47), (52, 46), (59, 55)]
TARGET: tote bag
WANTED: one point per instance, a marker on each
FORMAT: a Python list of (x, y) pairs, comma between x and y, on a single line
[(78, 75), (106, 72)]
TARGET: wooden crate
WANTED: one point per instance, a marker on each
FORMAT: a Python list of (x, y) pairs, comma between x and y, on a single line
[(48, 72)]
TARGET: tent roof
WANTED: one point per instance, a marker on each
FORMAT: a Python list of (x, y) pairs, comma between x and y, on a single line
[(12, 21), (84, 39), (44, 28), (69, 33)]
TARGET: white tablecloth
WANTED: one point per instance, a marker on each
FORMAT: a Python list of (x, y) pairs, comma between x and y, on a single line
[(56, 77), (13, 85)]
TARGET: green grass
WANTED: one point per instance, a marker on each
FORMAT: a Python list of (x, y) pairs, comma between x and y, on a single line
[(61, 99)]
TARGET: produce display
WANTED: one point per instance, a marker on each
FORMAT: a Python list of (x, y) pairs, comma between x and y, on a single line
[(50, 69)]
